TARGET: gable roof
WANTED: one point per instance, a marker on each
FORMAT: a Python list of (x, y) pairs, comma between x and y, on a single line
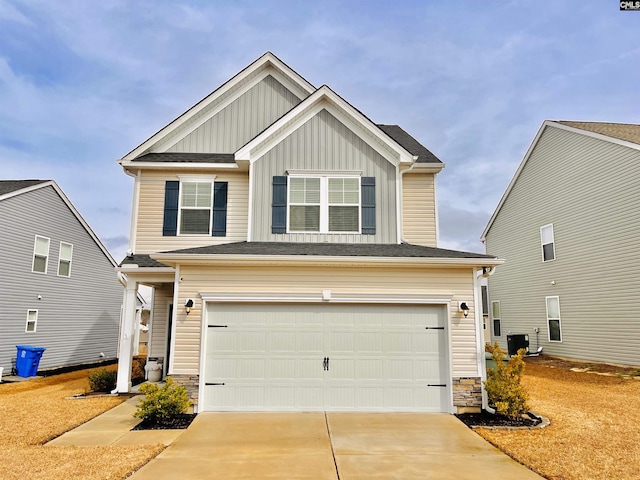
[(234, 88), (624, 134), (410, 144), (12, 188)]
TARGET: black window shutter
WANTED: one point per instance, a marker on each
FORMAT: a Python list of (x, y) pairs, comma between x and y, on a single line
[(219, 228), (279, 205), (170, 223), (368, 205)]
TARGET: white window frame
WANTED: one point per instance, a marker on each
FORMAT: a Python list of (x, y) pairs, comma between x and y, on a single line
[(324, 201), (546, 305), (552, 243), (35, 321), (60, 259), (195, 179), (46, 257), (494, 318)]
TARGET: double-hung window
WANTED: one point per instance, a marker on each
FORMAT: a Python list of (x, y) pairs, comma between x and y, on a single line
[(196, 200), (64, 261), (32, 320), (548, 245), (553, 319), (40, 254), (324, 204), (496, 315)]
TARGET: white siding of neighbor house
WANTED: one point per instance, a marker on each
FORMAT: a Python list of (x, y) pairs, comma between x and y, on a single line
[(238, 122), (162, 298), (588, 189), (79, 315), (419, 209), (149, 237), (324, 143), (286, 281)]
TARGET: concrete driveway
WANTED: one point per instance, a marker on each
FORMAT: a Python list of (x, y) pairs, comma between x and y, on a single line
[(332, 446)]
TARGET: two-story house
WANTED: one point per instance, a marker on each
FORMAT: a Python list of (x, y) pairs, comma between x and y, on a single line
[(59, 290), (568, 228), (292, 247)]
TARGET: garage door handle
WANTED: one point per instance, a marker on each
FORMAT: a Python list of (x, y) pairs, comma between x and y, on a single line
[(325, 364), (436, 385), (434, 328)]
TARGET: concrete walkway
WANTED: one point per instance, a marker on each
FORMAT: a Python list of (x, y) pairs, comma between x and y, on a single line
[(348, 446), (113, 428)]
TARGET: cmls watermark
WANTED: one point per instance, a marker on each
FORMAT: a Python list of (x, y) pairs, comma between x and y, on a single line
[(630, 5)]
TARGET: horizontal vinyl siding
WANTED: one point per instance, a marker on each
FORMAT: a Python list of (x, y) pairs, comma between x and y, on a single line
[(324, 143), (78, 316), (149, 237), (241, 120), (418, 209), (587, 188), (303, 280)]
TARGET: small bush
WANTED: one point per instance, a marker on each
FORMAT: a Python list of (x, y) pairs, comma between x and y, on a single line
[(102, 380), (162, 402), (503, 387)]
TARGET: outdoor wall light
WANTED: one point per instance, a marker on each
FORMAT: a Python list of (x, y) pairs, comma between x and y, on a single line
[(188, 306), (464, 308)]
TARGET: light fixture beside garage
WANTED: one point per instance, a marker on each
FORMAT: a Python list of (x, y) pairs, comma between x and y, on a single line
[(464, 308), (188, 305)]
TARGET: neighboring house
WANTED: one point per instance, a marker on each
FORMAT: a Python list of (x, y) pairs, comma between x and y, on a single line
[(568, 228), (59, 290), (292, 247)]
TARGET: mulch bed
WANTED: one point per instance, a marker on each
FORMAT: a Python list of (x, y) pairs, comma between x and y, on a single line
[(486, 419), (176, 422)]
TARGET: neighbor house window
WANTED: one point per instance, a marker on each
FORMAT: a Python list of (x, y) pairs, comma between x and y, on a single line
[(553, 319), (496, 316), (40, 254), (548, 248), (196, 200), (64, 262), (324, 204), (32, 320)]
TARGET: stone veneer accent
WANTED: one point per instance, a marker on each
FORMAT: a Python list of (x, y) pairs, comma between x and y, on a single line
[(467, 394), (192, 383)]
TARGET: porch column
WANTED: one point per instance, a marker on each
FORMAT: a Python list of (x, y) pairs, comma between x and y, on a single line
[(127, 335)]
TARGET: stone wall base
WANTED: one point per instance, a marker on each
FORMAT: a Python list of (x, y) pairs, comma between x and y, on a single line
[(192, 383), (467, 394)]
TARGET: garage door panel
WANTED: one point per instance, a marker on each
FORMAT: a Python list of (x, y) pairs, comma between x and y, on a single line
[(271, 357)]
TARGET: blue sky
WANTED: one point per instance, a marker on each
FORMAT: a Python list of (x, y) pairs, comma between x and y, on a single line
[(84, 82)]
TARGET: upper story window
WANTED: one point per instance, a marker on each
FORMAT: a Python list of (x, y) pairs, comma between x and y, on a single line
[(548, 245), (64, 261), (195, 205), (196, 202), (40, 254), (324, 204)]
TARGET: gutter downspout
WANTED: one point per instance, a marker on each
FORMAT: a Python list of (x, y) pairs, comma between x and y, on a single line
[(485, 272)]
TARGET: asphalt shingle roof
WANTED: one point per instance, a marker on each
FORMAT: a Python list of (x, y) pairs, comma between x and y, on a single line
[(329, 249), (187, 157), (622, 131), (410, 144), (142, 260), (8, 186)]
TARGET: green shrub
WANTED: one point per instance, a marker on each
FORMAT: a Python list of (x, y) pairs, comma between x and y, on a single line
[(102, 380), (162, 402), (503, 387)]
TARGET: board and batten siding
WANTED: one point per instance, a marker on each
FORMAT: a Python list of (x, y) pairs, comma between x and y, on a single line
[(237, 123), (370, 281), (419, 209), (588, 189), (78, 316), (324, 143), (149, 237)]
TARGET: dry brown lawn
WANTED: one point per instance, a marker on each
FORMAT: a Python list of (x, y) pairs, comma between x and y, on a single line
[(595, 426), (36, 411)]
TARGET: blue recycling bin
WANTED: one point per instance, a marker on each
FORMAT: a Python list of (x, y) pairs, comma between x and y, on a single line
[(28, 360)]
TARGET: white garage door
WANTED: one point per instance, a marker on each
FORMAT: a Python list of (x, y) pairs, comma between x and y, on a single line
[(334, 357)]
